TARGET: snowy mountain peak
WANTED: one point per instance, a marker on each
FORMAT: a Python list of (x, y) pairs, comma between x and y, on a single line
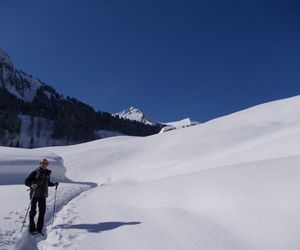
[(15, 81), (4, 58), (134, 114), (132, 110)]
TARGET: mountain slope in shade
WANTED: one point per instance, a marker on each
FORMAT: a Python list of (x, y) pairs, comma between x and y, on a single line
[(4, 58), (17, 82), (33, 114)]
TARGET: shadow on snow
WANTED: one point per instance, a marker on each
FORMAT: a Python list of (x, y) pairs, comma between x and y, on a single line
[(99, 227)]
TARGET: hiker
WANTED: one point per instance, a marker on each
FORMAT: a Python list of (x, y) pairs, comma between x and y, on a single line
[(38, 181)]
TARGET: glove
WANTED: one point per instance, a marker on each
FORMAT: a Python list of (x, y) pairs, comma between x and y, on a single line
[(56, 184), (33, 186)]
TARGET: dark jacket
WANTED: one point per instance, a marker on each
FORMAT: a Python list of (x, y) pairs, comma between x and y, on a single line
[(40, 177)]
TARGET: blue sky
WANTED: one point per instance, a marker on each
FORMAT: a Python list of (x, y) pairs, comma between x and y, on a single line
[(172, 59)]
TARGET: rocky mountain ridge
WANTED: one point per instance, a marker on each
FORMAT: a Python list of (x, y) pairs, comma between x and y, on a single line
[(33, 114)]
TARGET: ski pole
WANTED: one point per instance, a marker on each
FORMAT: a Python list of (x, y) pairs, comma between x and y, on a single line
[(54, 205), (27, 211)]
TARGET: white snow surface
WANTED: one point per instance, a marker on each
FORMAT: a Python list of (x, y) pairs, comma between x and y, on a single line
[(187, 122), (231, 183)]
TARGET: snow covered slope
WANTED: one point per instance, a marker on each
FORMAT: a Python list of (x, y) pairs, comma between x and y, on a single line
[(187, 122), (260, 133), (231, 183), (17, 163), (184, 123)]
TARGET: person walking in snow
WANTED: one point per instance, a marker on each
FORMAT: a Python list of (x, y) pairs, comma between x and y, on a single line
[(38, 181)]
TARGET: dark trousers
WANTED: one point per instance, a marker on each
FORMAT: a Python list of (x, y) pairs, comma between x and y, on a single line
[(42, 209)]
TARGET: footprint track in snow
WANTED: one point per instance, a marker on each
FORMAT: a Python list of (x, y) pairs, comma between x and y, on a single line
[(65, 196), (68, 215)]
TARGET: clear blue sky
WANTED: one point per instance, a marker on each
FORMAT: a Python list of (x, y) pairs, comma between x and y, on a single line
[(172, 59)]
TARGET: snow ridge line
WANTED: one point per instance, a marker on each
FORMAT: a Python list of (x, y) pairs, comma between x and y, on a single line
[(66, 192)]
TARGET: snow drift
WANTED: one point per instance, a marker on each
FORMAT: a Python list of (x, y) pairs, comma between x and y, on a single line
[(16, 164)]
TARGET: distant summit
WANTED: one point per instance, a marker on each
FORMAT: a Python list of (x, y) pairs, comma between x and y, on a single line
[(134, 114)]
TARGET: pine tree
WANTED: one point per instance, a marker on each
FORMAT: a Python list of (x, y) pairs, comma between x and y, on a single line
[(31, 142)]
